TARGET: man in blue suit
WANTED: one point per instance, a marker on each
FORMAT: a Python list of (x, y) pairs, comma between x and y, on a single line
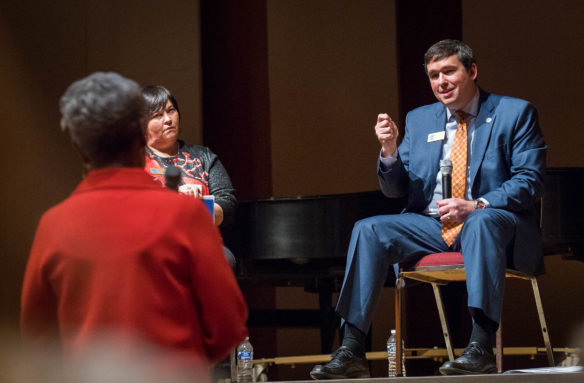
[(502, 181)]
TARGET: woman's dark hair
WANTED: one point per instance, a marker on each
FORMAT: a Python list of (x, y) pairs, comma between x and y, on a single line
[(156, 97), (446, 48)]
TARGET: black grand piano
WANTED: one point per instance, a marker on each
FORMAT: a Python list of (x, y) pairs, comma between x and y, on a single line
[(562, 219), (303, 241)]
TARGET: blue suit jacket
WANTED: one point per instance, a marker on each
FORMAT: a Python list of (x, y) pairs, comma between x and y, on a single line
[(506, 166)]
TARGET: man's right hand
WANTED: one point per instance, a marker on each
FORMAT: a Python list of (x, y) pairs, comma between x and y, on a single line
[(387, 133)]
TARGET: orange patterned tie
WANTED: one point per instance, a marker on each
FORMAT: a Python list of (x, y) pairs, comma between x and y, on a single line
[(458, 157)]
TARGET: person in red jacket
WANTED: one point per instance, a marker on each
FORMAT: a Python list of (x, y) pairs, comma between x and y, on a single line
[(122, 257)]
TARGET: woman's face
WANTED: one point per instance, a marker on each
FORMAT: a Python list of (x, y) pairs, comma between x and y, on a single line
[(163, 127)]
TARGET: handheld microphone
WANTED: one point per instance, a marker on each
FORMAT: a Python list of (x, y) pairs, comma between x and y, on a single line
[(172, 178), (446, 171)]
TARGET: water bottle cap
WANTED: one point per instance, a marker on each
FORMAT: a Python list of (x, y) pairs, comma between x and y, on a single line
[(393, 331)]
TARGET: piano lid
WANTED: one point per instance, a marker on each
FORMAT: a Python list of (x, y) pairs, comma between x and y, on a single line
[(302, 228)]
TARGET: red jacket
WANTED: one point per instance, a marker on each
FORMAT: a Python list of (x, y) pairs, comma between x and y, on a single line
[(122, 255)]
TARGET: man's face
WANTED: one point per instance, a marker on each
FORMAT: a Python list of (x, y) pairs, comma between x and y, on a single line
[(451, 83)]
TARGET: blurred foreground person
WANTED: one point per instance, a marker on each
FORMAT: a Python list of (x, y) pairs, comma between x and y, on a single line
[(97, 364), (123, 257)]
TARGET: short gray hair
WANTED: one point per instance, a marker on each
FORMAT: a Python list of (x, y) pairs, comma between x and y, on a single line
[(105, 116)]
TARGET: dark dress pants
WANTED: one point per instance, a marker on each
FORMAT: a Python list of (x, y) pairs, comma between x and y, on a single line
[(380, 241)]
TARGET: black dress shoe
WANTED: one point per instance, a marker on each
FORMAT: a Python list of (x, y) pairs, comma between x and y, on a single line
[(343, 365), (474, 360)]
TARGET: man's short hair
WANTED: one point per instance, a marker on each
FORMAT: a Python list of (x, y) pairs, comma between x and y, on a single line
[(446, 48), (105, 116)]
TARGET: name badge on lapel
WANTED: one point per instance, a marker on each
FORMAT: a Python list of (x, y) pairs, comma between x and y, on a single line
[(437, 136)]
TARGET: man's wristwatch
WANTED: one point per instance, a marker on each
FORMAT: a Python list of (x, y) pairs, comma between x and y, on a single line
[(479, 204)]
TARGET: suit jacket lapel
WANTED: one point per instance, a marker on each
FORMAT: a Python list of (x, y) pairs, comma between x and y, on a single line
[(432, 151), (483, 126), (435, 151)]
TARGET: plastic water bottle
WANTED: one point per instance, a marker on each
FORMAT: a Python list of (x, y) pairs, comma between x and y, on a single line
[(245, 362), (391, 357), (403, 359)]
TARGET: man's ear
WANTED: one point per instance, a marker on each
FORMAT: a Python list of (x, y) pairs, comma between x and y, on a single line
[(474, 71)]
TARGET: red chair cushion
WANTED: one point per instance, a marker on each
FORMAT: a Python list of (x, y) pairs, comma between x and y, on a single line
[(441, 259)]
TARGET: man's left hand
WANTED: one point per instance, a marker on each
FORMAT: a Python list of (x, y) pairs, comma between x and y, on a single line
[(455, 209)]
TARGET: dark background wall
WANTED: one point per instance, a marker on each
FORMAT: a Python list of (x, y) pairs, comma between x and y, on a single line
[(286, 92)]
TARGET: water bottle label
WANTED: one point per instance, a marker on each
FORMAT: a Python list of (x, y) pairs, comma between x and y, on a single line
[(391, 349), (245, 355)]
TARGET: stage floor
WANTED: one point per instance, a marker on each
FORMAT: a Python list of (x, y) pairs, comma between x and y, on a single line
[(494, 378)]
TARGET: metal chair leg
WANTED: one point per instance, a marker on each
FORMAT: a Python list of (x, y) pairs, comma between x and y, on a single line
[(499, 347), (399, 308), (544, 330), (443, 322)]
